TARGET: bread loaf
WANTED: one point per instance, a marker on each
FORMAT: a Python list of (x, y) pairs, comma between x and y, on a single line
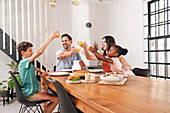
[(80, 72)]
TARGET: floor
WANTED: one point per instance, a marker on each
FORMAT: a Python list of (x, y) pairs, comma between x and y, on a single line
[(12, 107)]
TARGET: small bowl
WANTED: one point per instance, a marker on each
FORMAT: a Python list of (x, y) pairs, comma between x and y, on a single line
[(116, 78)]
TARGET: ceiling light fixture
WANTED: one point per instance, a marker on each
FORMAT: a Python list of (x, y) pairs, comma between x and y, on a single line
[(53, 3), (100, 0), (75, 2)]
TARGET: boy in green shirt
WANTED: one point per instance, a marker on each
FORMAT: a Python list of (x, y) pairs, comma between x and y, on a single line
[(27, 72)]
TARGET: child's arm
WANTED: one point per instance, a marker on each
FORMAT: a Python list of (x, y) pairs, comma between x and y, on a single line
[(42, 72), (100, 57), (43, 47)]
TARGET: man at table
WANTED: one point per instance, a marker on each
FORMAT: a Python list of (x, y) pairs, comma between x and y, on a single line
[(66, 55)]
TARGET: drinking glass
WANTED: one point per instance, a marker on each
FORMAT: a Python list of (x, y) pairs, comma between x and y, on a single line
[(77, 48), (90, 44)]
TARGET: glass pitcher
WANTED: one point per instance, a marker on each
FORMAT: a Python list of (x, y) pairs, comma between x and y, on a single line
[(76, 65)]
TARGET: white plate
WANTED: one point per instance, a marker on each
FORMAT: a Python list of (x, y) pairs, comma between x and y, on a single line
[(73, 82), (65, 70), (96, 75), (95, 70), (125, 75), (85, 81), (58, 73), (112, 79), (71, 74)]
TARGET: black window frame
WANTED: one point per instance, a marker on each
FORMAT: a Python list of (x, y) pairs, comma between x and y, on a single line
[(149, 38)]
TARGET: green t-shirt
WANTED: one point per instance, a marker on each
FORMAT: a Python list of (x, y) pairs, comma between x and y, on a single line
[(28, 78)]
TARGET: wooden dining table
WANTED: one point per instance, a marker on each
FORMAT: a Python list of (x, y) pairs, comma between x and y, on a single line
[(137, 95)]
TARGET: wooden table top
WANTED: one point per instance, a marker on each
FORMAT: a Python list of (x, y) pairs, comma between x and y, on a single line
[(138, 94)]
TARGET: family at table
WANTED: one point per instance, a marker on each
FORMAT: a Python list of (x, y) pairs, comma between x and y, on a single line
[(112, 61)]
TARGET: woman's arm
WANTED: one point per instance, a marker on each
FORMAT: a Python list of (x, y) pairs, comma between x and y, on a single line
[(88, 56), (43, 47), (101, 57)]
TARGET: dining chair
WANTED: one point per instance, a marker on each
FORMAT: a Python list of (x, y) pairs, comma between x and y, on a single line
[(26, 105), (66, 105), (141, 72), (54, 68)]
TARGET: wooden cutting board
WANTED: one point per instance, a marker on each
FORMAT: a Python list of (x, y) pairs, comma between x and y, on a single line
[(122, 82)]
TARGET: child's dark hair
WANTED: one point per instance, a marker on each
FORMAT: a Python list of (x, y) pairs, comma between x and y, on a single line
[(120, 50), (69, 37), (23, 46)]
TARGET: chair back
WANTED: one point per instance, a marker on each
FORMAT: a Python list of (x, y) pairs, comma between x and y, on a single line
[(54, 69), (64, 100), (141, 72), (20, 97)]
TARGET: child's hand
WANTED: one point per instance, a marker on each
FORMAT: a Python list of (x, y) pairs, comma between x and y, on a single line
[(44, 73), (55, 34)]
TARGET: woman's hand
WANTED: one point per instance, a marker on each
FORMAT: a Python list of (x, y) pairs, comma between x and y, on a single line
[(82, 44), (92, 49)]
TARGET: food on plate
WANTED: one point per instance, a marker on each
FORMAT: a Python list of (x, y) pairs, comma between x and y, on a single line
[(112, 78), (119, 72), (74, 77), (80, 72), (110, 75)]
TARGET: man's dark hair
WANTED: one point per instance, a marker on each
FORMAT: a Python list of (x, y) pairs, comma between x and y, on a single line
[(23, 46), (69, 37)]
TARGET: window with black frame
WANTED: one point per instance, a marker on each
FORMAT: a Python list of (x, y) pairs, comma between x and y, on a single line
[(157, 37)]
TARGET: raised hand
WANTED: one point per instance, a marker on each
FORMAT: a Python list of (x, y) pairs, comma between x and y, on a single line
[(82, 44), (55, 34), (92, 49)]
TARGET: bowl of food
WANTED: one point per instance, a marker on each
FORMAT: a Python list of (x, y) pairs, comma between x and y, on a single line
[(111, 78)]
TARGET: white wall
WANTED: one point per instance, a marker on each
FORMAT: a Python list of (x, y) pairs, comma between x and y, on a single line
[(4, 60), (126, 25), (122, 19), (66, 18)]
